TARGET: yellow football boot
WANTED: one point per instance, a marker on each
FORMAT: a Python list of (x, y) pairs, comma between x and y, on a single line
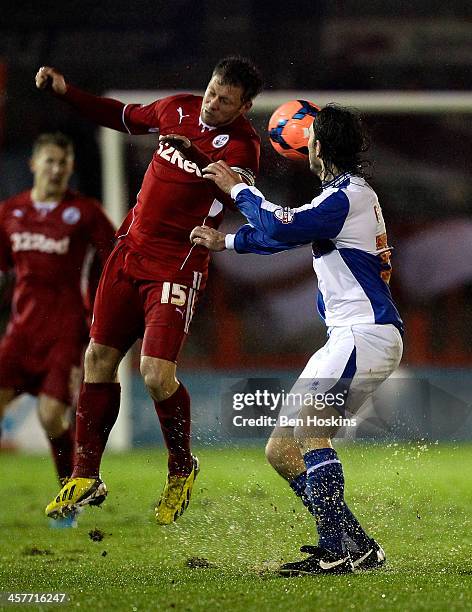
[(75, 493), (176, 496)]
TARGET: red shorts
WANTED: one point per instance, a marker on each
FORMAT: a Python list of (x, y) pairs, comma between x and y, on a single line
[(39, 369), (127, 308)]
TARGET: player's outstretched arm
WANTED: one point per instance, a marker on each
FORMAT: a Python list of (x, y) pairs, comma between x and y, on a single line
[(208, 237), (246, 240), (48, 77), (104, 111), (222, 175)]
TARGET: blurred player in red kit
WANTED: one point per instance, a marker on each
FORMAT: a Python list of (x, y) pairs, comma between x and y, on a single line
[(46, 237), (154, 277)]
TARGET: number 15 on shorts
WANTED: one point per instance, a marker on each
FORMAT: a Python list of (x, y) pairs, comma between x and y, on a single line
[(174, 293)]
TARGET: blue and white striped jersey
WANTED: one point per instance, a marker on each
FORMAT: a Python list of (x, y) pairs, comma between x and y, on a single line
[(351, 256)]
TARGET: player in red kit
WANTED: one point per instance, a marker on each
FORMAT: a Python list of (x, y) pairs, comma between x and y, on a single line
[(154, 277), (46, 234)]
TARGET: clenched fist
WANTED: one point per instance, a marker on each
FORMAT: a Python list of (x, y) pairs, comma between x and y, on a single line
[(50, 77)]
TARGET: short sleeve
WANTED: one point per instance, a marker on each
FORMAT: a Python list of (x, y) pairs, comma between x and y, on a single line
[(142, 118)]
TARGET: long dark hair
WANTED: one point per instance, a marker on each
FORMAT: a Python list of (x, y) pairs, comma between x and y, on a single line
[(343, 138)]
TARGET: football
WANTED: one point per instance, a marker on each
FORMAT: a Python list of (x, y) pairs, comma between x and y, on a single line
[(289, 128)]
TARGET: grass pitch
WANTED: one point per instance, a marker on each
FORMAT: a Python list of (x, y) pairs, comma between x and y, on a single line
[(243, 521)]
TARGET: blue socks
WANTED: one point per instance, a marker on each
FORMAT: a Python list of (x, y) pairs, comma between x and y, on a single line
[(325, 489), (298, 485), (321, 489), (358, 539)]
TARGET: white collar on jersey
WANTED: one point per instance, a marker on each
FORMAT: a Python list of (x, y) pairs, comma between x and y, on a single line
[(204, 126), (45, 207), (338, 180)]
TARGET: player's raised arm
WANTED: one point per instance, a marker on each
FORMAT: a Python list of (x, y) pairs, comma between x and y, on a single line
[(50, 78), (104, 111)]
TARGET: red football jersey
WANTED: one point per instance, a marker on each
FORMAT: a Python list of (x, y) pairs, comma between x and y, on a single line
[(174, 197), (47, 251)]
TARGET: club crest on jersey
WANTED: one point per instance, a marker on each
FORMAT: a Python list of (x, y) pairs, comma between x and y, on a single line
[(71, 215), (284, 214), (18, 213), (220, 140)]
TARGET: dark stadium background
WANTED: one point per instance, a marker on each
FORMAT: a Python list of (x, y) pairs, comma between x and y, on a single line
[(421, 162)]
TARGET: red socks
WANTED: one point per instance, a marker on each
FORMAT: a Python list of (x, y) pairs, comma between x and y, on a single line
[(174, 417), (62, 450), (97, 411)]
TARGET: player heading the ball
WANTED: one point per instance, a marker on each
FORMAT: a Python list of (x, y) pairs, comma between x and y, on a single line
[(154, 278)]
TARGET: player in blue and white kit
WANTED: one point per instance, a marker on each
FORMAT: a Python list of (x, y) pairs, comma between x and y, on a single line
[(351, 258)]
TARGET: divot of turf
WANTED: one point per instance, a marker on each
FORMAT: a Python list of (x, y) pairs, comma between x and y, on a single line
[(35, 552), (198, 562), (96, 535)]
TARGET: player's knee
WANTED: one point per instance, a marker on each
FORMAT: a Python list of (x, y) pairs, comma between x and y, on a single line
[(101, 363), (161, 383), (53, 418), (158, 386)]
